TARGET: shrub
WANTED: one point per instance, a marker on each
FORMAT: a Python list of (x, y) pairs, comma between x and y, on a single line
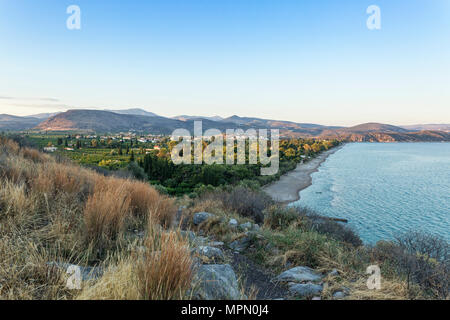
[(278, 218), (335, 230), (137, 171), (161, 189), (302, 248), (426, 260), (244, 201), (420, 258)]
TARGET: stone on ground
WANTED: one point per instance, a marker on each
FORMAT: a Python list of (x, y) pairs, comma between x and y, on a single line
[(305, 290), (211, 253), (299, 274), (200, 217), (216, 282)]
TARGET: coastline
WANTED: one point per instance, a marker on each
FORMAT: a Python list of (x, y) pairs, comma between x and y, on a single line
[(287, 189)]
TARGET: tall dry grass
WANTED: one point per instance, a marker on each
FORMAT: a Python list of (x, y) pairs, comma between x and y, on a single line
[(166, 270), (105, 213), (51, 211)]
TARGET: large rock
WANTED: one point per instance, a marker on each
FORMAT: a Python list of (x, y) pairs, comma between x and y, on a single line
[(211, 253), (200, 217), (299, 274), (216, 282), (305, 290)]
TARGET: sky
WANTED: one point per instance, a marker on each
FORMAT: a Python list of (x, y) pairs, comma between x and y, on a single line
[(309, 61)]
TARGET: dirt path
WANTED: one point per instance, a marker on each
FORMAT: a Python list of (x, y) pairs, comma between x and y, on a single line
[(257, 278)]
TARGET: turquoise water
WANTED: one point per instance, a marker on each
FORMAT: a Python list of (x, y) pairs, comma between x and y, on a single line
[(385, 189)]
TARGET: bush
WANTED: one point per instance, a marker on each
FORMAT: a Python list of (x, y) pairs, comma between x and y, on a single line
[(425, 259), (334, 230), (161, 189), (137, 171), (420, 258), (245, 202), (278, 218)]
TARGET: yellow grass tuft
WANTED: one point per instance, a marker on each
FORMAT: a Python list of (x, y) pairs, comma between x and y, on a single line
[(166, 271)]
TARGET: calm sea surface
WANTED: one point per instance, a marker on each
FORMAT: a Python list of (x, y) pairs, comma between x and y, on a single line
[(385, 189)]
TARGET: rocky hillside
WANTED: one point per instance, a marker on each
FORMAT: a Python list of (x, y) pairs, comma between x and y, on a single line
[(107, 121), (144, 121)]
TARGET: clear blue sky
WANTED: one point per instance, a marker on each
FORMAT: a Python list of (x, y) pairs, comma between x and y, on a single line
[(305, 61)]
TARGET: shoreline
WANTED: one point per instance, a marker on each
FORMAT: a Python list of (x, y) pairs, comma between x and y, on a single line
[(287, 189)]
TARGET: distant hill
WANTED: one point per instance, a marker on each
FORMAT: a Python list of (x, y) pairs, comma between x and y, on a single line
[(374, 127), (43, 115), (135, 111), (106, 121), (143, 121), (434, 127), (15, 123), (185, 118)]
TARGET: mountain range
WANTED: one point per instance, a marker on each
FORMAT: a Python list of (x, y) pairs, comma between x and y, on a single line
[(111, 121)]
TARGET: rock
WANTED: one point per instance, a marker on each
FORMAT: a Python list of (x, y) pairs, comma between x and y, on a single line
[(334, 273), (240, 244), (299, 274), (305, 290), (200, 217), (216, 244), (211, 253), (246, 226), (86, 273), (189, 235), (233, 223), (339, 295), (216, 282)]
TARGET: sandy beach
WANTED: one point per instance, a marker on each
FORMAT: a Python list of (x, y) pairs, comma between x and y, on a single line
[(287, 189)]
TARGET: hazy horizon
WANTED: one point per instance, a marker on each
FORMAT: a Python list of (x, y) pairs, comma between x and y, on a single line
[(310, 62)]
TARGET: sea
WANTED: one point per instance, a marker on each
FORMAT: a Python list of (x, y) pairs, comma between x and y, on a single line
[(385, 189)]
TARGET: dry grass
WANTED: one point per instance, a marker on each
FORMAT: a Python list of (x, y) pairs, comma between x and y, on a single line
[(166, 271), (163, 211), (105, 214), (390, 290), (119, 282), (51, 211), (142, 196)]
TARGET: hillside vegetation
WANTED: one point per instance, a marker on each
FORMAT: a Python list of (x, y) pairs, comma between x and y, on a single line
[(54, 213)]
